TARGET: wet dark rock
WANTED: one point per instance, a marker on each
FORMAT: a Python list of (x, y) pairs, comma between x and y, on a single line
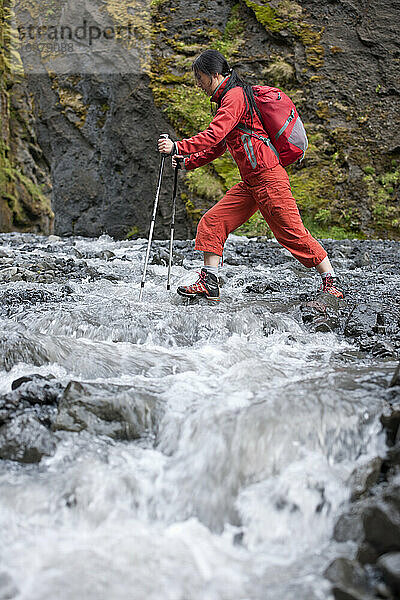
[(363, 478), (116, 411), (384, 349), (37, 389), (374, 520), (349, 579), (360, 320), (10, 274), (100, 254), (342, 594), (51, 269), (383, 591), (326, 325), (390, 420), (238, 538), (262, 287), (366, 554), (382, 528), (283, 504), (318, 316), (25, 439), (366, 344), (25, 414), (16, 298), (107, 254), (359, 259), (395, 381), (391, 495), (8, 590), (161, 257), (312, 311), (330, 302), (231, 259), (184, 244), (349, 526), (6, 262), (392, 462), (379, 326), (390, 567)]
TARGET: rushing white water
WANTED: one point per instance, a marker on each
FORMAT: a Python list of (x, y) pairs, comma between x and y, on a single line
[(233, 491)]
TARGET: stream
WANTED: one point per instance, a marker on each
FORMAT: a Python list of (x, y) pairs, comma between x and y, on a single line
[(176, 450)]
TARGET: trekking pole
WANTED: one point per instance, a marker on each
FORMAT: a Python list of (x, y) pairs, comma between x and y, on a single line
[(153, 219), (172, 224)]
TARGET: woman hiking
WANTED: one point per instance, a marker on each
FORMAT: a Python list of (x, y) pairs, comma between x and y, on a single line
[(264, 185)]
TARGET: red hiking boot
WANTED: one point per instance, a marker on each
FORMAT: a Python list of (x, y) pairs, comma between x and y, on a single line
[(328, 286), (207, 285)]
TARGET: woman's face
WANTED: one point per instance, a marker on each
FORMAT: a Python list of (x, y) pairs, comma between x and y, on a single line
[(206, 83)]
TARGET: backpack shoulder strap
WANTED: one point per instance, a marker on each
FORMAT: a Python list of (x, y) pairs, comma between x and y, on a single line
[(257, 109)]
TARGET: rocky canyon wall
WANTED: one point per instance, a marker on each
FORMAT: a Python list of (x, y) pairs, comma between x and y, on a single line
[(82, 132)]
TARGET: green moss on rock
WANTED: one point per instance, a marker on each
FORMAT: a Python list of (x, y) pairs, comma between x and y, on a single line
[(383, 191), (25, 200), (280, 72), (23, 204), (254, 227), (266, 15), (202, 182), (227, 170), (287, 15)]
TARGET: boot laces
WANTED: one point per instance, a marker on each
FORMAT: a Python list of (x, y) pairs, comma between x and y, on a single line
[(198, 286), (328, 285)]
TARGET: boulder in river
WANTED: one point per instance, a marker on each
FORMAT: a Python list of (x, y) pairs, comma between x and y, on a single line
[(349, 580), (106, 409), (25, 439), (390, 567)]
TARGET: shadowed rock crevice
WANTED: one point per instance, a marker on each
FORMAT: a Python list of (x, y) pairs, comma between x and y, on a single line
[(373, 522)]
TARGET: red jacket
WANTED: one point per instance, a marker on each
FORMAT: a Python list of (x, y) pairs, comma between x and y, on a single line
[(250, 154)]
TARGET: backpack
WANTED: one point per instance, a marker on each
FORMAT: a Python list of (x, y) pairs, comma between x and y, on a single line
[(280, 119)]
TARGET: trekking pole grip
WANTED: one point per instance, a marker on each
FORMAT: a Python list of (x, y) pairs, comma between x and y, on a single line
[(165, 136)]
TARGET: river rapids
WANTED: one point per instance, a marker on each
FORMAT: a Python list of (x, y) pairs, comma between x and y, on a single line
[(176, 450)]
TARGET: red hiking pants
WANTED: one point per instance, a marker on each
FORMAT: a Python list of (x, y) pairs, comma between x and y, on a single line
[(270, 193)]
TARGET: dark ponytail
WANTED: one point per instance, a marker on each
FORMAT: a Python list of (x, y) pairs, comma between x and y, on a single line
[(212, 62)]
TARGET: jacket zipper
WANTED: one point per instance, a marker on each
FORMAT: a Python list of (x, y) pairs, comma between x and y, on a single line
[(263, 138), (248, 148)]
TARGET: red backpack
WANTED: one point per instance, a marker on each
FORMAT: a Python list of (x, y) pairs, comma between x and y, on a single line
[(286, 134)]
